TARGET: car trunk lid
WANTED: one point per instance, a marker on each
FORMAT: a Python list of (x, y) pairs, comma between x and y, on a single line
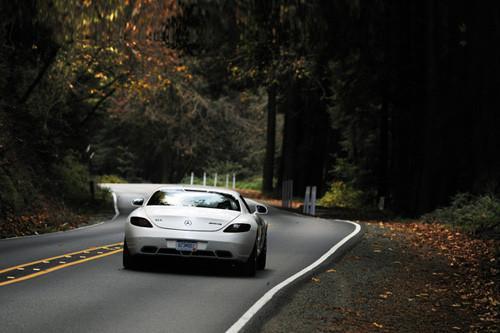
[(190, 218)]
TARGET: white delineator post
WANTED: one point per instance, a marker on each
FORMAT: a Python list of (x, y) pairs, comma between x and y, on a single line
[(227, 180), (312, 209), (307, 199), (234, 181), (215, 179), (192, 178), (204, 179)]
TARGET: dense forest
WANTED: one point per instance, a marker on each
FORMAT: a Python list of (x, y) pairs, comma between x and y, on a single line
[(386, 99)]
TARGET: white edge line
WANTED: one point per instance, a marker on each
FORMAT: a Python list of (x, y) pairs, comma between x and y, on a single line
[(248, 315)]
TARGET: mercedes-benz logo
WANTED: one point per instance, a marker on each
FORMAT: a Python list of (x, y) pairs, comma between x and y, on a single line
[(188, 223)]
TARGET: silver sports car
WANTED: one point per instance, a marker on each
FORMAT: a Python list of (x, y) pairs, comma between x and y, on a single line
[(201, 222)]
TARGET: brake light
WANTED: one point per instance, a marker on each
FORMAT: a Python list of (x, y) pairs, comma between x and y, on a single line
[(140, 222), (238, 227)]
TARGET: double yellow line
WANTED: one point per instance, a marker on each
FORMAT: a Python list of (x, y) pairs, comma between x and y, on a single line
[(110, 249)]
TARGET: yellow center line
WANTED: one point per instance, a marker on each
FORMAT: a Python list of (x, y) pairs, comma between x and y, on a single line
[(67, 255), (48, 270)]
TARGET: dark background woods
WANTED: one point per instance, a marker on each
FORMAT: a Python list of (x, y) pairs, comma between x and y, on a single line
[(395, 99)]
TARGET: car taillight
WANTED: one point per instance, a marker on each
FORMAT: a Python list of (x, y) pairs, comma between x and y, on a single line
[(140, 222), (238, 227)]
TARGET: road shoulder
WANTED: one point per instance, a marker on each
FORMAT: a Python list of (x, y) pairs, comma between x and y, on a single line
[(386, 284), (275, 298)]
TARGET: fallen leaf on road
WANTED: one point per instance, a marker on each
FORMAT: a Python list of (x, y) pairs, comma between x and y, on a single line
[(331, 270), (378, 325), (315, 280)]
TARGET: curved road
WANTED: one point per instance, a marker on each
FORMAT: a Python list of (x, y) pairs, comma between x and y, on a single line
[(100, 296)]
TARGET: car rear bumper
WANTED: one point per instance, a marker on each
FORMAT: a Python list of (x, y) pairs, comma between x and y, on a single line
[(215, 245)]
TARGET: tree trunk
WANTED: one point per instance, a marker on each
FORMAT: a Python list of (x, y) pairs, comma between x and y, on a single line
[(383, 149), (267, 179)]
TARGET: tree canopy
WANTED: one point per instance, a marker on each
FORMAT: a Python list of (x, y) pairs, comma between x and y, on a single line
[(393, 99)]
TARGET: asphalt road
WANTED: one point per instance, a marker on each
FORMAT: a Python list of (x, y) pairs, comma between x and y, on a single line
[(100, 296)]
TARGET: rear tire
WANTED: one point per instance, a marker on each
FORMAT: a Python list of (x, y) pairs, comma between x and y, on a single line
[(261, 259), (249, 268), (129, 261)]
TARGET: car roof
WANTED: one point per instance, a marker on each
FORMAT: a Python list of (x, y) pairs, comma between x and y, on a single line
[(200, 188)]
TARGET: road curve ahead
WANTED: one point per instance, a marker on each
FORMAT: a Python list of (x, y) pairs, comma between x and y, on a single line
[(80, 285)]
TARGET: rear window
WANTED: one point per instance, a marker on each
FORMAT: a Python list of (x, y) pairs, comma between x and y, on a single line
[(190, 198)]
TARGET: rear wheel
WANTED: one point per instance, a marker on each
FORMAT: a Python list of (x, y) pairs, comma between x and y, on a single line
[(129, 261), (261, 259), (249, 267)]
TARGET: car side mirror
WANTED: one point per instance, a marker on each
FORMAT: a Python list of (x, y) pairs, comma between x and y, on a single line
[(260, 209), (138, 202)]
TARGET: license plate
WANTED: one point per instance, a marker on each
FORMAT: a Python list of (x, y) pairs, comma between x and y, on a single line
[(186, 246)]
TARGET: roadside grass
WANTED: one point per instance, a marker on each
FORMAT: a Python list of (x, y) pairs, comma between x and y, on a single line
[(254, 183)]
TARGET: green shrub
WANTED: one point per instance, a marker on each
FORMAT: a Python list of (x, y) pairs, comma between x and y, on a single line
[(474, 214), (111, 179), (254, 183), (342, 194), (10, 198), (72, 179)]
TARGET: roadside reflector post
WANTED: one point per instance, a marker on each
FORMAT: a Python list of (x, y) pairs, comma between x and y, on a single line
[(312, 209), (227, 180), (204, 179), (215, 179), (307, 197), (192, 178), (234, 181)]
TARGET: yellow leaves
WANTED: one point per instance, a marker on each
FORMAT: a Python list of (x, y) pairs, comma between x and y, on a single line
[(315, 280), (112, 16), (181, 68), (100, 75), (87, 3), (112, 49), (377, 325), (331, 270), (385, 295), (129, 26)]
